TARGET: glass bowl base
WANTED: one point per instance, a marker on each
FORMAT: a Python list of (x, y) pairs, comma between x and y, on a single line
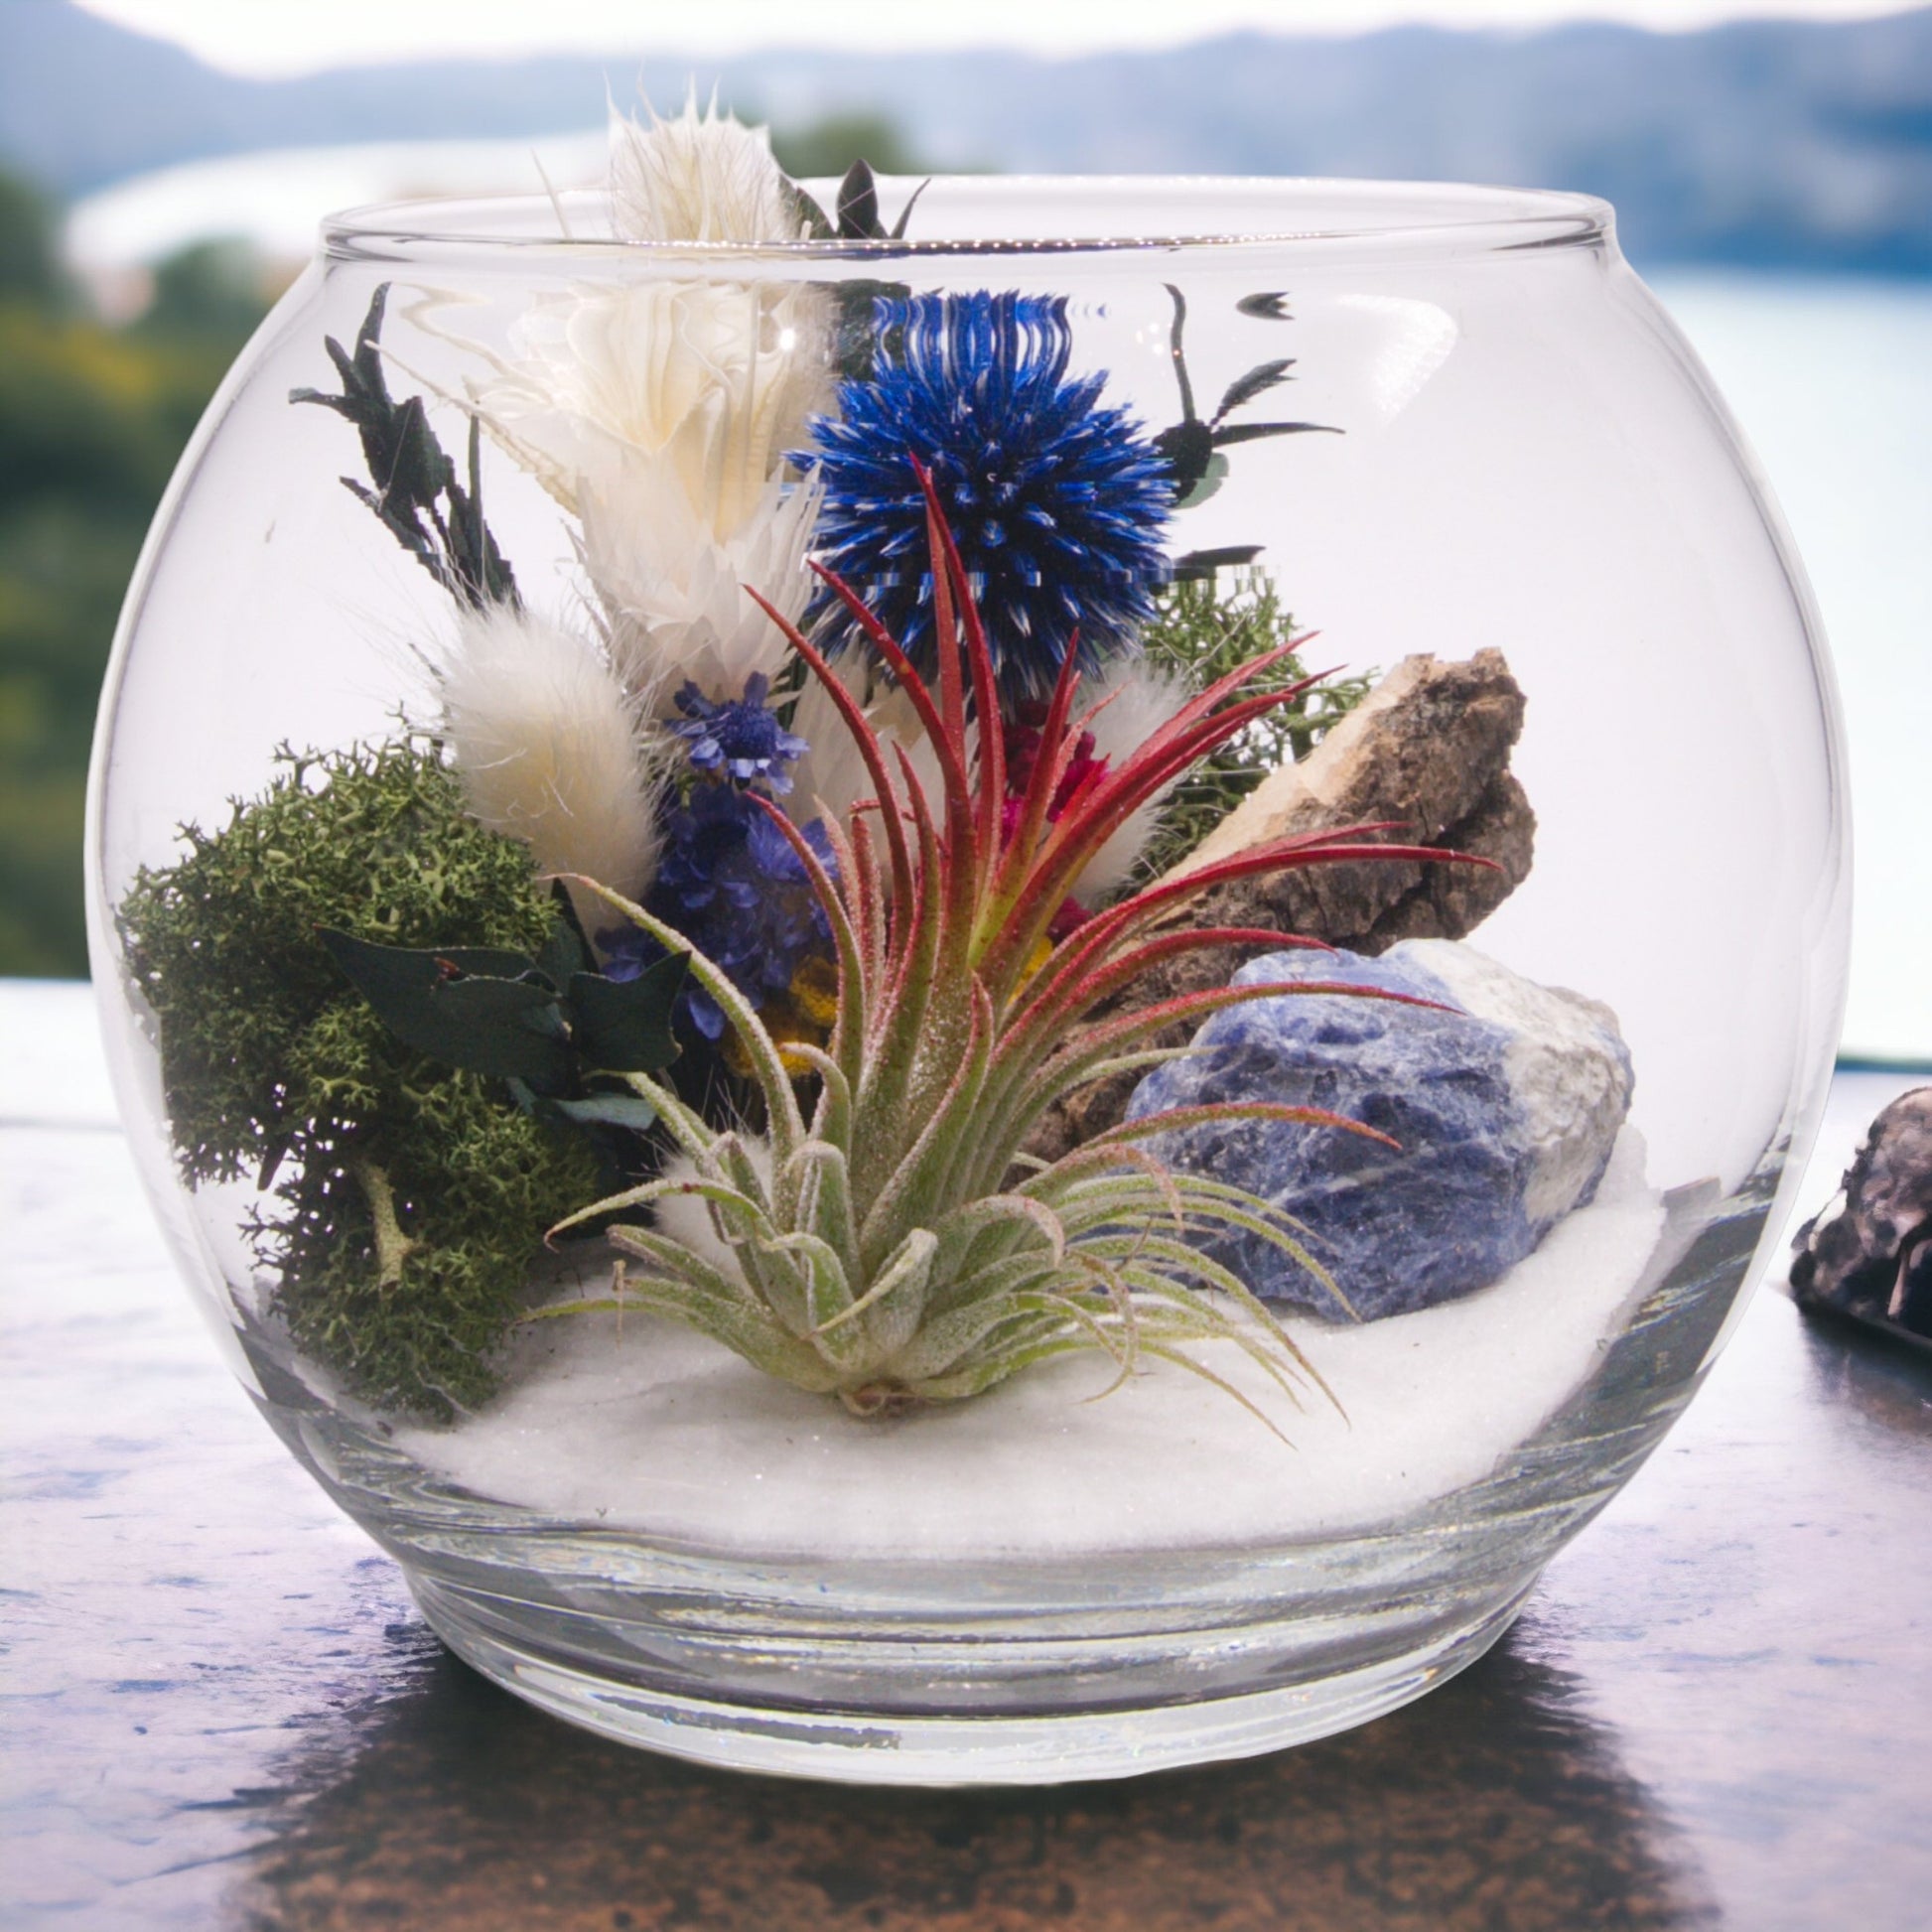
[(1041, 1746)]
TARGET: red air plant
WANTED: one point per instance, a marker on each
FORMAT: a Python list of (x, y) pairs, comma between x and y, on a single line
[(1023, 742), (898, 1246)]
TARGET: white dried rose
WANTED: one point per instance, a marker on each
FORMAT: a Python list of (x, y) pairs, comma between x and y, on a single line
[(671, 594), (720, 379), (698, 178)]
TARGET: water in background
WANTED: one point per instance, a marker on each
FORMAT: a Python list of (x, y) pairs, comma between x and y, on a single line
[(1832, 380), (1830, 376), (275, 200)]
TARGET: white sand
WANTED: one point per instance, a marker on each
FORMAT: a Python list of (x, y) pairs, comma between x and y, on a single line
[(659, 1431)]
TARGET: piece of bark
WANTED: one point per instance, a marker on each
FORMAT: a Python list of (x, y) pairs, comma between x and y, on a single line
[(1429, 748), (1872, 1258)]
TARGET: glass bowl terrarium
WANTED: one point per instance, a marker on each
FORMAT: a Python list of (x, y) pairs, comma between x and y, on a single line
[(988, 984)]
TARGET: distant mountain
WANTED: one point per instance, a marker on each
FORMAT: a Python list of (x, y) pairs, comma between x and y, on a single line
[(1806, 144)]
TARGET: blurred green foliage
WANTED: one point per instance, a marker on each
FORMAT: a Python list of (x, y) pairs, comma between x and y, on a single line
[(92, 418), (92, 421), (829, 147)]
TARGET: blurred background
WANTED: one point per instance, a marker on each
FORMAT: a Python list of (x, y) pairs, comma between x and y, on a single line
[(163, 165)]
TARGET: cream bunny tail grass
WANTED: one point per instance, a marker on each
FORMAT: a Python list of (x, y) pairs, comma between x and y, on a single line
[(548, 747)]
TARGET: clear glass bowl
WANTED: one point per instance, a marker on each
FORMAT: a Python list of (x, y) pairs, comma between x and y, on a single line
[(1513, 450)]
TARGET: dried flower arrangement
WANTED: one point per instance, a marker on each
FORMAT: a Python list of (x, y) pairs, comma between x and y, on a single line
[(771, 897)]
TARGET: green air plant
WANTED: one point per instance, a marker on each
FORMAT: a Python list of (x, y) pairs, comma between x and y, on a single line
[(895, 1246), (1204, 628), (409, 1197)]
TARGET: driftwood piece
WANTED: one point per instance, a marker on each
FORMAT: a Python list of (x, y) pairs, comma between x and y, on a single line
[(1429, 748)]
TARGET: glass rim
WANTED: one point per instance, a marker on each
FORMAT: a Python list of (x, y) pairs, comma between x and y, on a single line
[(1299, 213)]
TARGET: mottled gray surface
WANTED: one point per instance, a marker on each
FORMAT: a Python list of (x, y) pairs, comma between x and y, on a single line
[(224, 1713)]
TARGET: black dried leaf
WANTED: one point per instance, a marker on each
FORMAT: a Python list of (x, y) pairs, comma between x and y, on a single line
[(905, 213), (1188, 448), (1258, 381), (413, 485), (807, 212), (479, 566), (1197, 564), (1268, 306), (856, 338), (414, 468), (402, 528), (857, 205), (1253, 432), (1176, 330)]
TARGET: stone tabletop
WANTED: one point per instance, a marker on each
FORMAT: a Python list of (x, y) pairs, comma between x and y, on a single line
[(224, 1712)]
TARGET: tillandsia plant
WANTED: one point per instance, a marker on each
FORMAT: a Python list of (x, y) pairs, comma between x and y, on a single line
[(895, 1246)]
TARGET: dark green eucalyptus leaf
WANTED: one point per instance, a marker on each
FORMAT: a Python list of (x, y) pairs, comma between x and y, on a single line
[(489, 962), (565, 951), (461, 1007), (630, 1111), (370, 964), (503, 1027), (624, 1026)]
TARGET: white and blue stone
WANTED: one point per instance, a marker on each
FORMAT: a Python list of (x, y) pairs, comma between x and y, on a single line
[(1507, 1109)]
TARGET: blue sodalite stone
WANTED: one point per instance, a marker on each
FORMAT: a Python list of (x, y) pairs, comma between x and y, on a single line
[(1500, 1134)]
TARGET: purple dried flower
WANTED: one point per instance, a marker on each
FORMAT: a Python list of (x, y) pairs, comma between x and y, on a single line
[(740, 738)]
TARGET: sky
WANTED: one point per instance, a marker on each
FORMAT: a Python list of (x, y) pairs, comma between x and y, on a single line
[(255, 36)]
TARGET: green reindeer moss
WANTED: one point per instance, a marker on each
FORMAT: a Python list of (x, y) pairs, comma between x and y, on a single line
[(410, 1197)]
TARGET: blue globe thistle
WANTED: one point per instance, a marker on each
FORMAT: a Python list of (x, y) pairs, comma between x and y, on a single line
[(1058, 507), (740, 738)]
